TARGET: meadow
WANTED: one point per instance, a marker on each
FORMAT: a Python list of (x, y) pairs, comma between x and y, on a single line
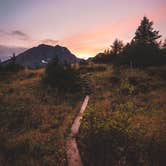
[(124, 123), (35, 120)]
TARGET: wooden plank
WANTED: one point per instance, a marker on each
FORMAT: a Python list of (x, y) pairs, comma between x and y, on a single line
[(73, 155)]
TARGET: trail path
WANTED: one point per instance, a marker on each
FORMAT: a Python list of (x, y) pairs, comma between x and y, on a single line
[(73, 156)]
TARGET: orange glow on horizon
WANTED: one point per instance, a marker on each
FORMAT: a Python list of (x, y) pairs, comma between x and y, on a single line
[(85, 55), (87, 42)]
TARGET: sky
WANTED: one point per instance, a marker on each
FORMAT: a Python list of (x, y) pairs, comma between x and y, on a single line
[(86, 27)]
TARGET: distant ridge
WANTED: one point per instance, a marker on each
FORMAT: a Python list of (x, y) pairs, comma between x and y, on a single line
[(38, 57)]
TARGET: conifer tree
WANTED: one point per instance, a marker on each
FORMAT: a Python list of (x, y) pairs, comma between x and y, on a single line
[(145, 34), (116, 47)]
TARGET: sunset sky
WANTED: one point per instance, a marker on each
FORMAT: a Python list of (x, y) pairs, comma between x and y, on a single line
[(86, 27)]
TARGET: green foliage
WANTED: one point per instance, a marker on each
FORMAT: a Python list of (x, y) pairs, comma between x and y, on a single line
[(119, 139), (124, 125), (126, 88), (129, 106), (63, 77)]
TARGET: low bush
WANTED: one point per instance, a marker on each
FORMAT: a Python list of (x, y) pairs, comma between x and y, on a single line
[(63, 77), (122, 138)]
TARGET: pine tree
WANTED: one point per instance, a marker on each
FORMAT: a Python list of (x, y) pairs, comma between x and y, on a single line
[(116, 47), (145, 34), (144, 47)]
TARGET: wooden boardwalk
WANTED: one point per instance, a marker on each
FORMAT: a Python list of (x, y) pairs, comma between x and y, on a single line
[(73, 155)]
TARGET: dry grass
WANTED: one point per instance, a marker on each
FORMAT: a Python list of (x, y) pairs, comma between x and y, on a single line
[(34, 121), (125, 123)]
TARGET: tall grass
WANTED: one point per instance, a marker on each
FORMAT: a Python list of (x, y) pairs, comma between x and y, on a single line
[(125, 123), (34, 120)]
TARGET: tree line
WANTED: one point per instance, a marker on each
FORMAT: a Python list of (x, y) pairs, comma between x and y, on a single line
[(145, 49)]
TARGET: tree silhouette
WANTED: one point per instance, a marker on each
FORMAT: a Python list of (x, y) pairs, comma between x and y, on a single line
[(116, 47), (144, 49), (13, 58), (63, 77), (145, 34), (12, 65)]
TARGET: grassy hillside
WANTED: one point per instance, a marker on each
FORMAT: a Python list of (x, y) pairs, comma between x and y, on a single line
[(34, 120), (125, 123)]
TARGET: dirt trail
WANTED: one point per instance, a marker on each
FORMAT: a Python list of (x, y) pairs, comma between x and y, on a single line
[(73, 156)]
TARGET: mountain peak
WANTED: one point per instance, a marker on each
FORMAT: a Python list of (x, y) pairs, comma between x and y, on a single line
[(42, 45), (34, 57)]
